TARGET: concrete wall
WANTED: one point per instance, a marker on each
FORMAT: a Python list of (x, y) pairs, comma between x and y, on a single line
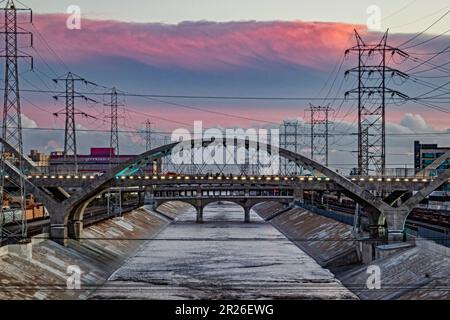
[(42, 273)]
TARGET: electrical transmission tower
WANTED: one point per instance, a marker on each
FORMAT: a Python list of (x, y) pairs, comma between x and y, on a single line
[(114, 137), (148, 135), (319, 132), (290, 131), (70, 137), (114, 199), (372, 92), (12, 188)]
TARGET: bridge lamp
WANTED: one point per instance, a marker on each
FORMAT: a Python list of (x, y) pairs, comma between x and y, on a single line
[(243, 178), (45, 177), (30, 177), (154, 177), (277, 178), (83, 177), (302, 178), (353, 179), (235, 178), (37, 177), (252, 178), (147, 177), (380, 179), (228, 178), (327, 179), (406, 180), (424, 180), (388, 179), (319, 179), (310, 179), (91, 177), (286, 178), (6, 177), (268, 178), (186, 178), (76, 177), (61, 177), (361, 179), (210, 178), (370, 179), (219, 178), (259, 178), (123, 177), (163, 177), (131, 177), (397, 179)]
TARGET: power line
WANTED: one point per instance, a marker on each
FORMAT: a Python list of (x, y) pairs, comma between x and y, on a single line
[(425, 30)]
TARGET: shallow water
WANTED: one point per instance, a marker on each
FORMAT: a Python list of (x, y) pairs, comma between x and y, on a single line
[(223, 258)]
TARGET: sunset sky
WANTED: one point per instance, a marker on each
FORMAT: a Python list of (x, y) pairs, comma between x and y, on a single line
[(249, 48)]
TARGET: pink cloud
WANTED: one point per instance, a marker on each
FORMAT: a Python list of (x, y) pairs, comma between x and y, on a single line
[(199, 45)]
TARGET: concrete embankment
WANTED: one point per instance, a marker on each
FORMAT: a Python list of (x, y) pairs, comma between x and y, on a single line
[(418, 272), (40, 269), (328, 241)]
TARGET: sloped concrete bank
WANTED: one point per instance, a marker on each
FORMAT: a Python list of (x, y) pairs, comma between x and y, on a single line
[(419, 272), (328, 241), (41, 270)]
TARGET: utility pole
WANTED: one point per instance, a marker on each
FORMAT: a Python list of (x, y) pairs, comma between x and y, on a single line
[(372, 92), (15, 195), (70, 136), (319, 133)]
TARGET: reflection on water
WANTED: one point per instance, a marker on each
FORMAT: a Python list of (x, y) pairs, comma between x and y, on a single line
[(222, 258)]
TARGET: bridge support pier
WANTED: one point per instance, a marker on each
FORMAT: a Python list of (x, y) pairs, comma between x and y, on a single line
[(76, 229), (199, 214), (247, 214), (141, 196), (58, 233), (396, 219), (298, 195)]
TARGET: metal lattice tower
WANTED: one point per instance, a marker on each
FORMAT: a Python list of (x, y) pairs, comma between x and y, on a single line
[(114, 139), (70, 136), (319, 132), (148, 135), (13, 199), (290, 132), (114, 136), (372, 92)]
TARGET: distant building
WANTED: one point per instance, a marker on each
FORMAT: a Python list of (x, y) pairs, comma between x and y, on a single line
[(425, 154), (42, 160), (98, 161)]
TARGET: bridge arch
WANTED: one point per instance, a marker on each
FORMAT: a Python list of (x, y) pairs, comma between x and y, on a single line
[(373, 206)]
